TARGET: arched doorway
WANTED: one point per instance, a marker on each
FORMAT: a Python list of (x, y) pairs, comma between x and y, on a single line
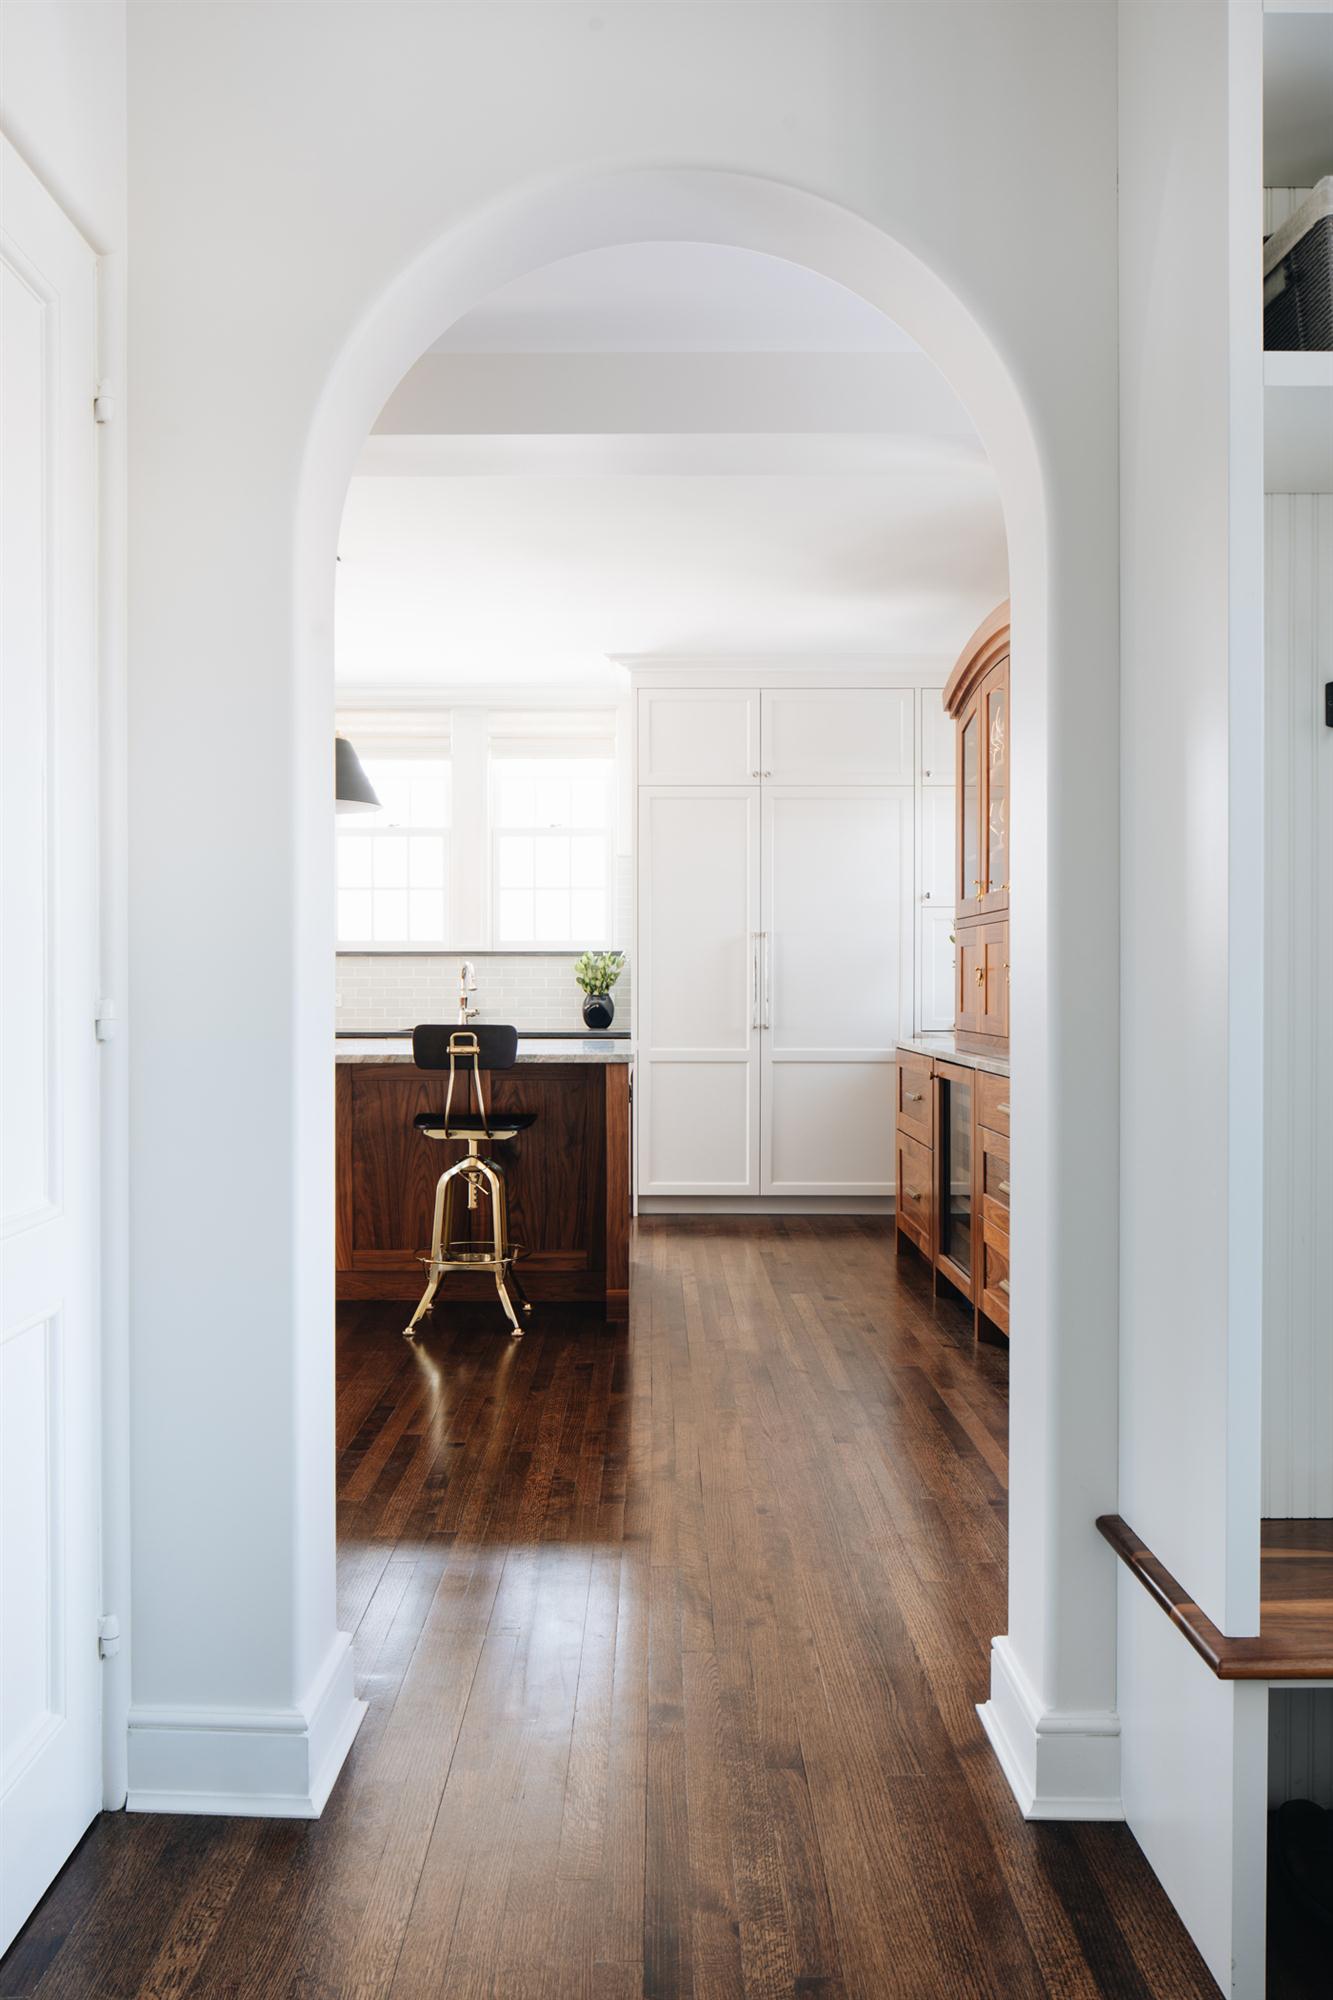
[(1051, 1716)]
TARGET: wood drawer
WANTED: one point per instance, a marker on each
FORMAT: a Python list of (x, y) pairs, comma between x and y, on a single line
[(993, 1102), (995, 1277), (916, 1103), (915, 1194), (993, 1165)]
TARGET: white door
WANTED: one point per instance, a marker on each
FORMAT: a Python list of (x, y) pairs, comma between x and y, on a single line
[(836, 985), (935, 908), (50, 1697), (838, 736), (697, 974), (698, 736)]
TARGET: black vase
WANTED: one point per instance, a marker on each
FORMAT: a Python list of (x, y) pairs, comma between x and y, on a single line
[(599, 1010)]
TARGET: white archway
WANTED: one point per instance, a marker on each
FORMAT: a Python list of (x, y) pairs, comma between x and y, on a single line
[(1051, 1714)]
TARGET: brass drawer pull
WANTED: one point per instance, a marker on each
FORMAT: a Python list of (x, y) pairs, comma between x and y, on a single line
[(1004, 1286), (1003, 1187), (912, 1096), (1002, 1107)]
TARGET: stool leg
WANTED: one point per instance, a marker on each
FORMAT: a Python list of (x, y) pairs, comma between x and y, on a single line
[(444, 1210), (500, 1228)]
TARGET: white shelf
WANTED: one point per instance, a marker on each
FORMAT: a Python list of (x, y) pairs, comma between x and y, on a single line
[(1298, 423)]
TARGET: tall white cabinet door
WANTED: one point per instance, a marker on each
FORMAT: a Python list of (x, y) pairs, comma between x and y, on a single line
[(698, 990), (938, 740), (836, 985), (838, 736), (50, 1696), (698, 736), (935, 907)]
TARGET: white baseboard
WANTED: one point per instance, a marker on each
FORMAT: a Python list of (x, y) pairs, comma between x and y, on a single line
[(256, 1763), (1060, 1763), (765, 1204)]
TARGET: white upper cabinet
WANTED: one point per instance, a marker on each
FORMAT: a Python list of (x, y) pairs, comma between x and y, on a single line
[(838, 736), (937, 740), (699, 736)]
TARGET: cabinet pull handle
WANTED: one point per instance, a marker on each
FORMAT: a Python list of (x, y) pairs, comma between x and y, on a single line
[(912, 1096), (1004, 1286), (980, 974), (1002, 1107), (766, 1016), (1003, 1187), (754, 979)]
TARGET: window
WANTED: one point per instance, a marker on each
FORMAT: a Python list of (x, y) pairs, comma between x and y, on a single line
[(393, 865), (552, 824)]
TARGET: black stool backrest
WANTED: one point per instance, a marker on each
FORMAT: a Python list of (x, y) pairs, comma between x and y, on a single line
[(497, 1045)]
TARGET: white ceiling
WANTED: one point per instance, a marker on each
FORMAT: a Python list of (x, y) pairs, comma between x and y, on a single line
[(542, 578), (770, 468), (673, 298)]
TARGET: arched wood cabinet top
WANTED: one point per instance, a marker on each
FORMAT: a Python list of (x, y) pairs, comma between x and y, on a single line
[(988, 645)]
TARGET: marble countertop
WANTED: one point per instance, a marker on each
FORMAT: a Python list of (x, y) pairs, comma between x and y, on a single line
[(530, 1050), (944, 1048)]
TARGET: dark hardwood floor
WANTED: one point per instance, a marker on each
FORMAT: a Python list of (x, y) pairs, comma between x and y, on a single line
[(672, 1638)]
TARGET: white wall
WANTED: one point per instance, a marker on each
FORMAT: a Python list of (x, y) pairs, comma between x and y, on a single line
[(63, 106), (276, 197), (1192, 942), (1298, 1192)]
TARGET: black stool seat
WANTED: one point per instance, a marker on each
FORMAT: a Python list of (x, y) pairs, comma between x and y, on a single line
[(471, 1124)]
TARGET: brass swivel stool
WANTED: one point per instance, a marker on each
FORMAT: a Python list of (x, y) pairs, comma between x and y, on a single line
[(467, 1052)]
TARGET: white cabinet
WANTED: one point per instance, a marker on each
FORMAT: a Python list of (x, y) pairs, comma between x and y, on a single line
[(795, 900), (698, 990), (699, 736), (937, 833), (837, 952), (938, 741), (838, 736)]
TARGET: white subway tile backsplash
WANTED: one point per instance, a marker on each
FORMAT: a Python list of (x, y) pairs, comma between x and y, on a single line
[(379, 990)]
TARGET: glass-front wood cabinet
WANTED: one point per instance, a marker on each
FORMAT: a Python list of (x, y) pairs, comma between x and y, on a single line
[(977, 696)]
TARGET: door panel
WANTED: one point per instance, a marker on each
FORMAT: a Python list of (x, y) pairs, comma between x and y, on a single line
[(50, 1694), (698, 736), (838, 736), (935, 972), (698, 991), (937, 740), (837, 957)]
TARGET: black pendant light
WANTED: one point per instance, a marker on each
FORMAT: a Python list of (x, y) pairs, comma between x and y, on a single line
[(353, 791)]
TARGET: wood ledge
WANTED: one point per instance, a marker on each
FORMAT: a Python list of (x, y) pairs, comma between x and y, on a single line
[(1295, 1641)]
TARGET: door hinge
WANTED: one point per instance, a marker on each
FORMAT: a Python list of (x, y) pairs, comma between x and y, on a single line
[(104, 1021), (104, 404), (108, 1636)]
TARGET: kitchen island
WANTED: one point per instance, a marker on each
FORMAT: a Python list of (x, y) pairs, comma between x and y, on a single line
[(567, 1177)]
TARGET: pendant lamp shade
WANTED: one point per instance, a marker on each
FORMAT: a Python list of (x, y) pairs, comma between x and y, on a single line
[(353, 791)]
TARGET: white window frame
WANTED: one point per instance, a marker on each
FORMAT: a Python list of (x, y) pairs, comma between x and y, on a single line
[(374, 749), (545, 751)]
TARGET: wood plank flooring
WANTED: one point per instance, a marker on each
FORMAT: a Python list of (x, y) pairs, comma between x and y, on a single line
[(671, 1637)]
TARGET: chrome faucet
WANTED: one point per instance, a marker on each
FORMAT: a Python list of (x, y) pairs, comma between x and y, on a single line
[(467, 983)]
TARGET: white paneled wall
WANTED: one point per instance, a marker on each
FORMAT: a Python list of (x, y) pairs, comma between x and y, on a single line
[(1298, 1195), (1300, 1745)]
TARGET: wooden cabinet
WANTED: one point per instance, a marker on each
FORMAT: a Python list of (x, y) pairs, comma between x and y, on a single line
[(567, 1180), (953, 1179), (977, 696)]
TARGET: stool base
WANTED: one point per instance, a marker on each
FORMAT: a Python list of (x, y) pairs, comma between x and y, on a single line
[(448, 1253)]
